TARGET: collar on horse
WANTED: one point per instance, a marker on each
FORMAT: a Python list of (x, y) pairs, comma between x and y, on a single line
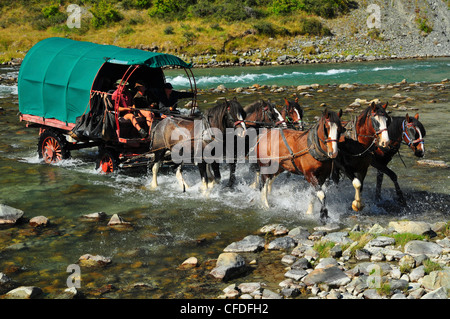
[(315, 149)]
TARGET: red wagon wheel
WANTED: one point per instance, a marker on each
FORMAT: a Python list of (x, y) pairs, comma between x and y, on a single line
[(52, 147), (107, 161)]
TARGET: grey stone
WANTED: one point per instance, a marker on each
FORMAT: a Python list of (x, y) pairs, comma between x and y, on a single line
[(338, 238), (331, 275), (6, 283), (276, 229), (299, 233), (89, 260), (398, 284), (296, 274), (301, 263), (398, 295), (418, 247), (251, 243), (288, 259), (381, 241), (371, 294), (281, 243), (9, 215), (268, 294), (436, 279), (228, 265), (362, 254), (324, 262), (417, 273), (249, 287), (336, 251), (290, 292), (407, 262), (440, 293), (414, 227), (24, 292)]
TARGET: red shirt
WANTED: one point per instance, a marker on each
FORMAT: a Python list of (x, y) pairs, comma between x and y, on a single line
[(125, 98)]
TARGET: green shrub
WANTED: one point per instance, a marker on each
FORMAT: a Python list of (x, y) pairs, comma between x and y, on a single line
[(104, 14), (423, 25), (169, 30), (265, 28), (50, 11), (125, 31), (312, 26), (285, 6)]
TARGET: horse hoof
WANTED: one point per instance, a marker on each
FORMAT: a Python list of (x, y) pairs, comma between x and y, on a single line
[(357, 206)]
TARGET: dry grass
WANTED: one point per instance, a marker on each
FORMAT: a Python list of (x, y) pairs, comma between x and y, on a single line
[(190, 37)]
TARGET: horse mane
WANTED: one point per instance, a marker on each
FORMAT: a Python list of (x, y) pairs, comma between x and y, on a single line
[(215, 115), (254, 106)]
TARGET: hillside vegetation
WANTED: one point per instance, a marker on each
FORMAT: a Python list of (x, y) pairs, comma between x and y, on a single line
[(229, 30), (189, 27)]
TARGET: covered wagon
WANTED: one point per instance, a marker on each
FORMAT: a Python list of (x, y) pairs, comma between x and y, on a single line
[(65, 89)]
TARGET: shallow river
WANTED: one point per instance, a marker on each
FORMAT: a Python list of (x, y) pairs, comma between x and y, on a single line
[(170, 226)]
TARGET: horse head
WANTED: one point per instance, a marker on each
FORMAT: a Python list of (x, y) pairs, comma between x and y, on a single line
[(273, 114), (293, 112), (332, 130), (235, 114), (413, 134), (377, 127)]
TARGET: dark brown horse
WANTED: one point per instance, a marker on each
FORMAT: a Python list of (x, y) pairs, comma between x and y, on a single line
[(292, 113), (366, 133), (259, 114), (402, 130), (188, 139), (308, 153)]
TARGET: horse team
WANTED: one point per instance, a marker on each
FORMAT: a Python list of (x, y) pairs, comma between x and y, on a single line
[(280, 142)]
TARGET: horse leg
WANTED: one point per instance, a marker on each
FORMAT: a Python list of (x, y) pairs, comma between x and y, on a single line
[(155, 169), (232, 179), (179, 175), (215, 176), (265, 179), (357, 204), (323, 210), (394, 180), (379, 183), (257, 178), (203, 175)]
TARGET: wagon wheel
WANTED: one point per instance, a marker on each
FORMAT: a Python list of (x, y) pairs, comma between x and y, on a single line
[(107, 161), (52, 147)]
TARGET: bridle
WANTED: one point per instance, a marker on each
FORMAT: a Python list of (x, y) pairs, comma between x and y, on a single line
[(406, 127)]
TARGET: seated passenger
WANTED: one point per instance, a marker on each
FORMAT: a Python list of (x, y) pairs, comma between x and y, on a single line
[(168, 99), (142, 103), (126, 108)]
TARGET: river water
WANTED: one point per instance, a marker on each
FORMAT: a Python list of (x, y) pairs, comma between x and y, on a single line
[(169, 226)]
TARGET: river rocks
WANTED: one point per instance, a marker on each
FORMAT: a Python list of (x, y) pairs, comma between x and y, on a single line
[(251, 243), (24, 292), (117, 221), (9, 215), (39, 221), (282, 243), (413, 227), (330, 275), (228, 265), (98, 216), (89, 260), (379, 270), (418, 247), (191, 262)]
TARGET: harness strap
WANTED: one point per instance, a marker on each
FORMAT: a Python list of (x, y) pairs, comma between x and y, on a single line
[(290, 152)]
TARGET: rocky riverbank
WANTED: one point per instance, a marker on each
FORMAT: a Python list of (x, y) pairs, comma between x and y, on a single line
[(401, 260), (404, 260)]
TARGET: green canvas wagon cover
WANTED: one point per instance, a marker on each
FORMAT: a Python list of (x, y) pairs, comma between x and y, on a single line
[(56, 75)]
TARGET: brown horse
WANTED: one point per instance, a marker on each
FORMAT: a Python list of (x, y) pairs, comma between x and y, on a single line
[(407, 130), (259, 114), (308, 153), (188, 139), (356, 151), (292, 113)]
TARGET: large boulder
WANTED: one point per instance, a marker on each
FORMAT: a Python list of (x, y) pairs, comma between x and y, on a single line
[(251, 243), (9, 215), (330, 275), (419, 247), (413, 227), (228, 265)]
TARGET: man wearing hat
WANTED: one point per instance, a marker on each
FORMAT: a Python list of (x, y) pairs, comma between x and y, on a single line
[(169, 98), (126, 107)]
